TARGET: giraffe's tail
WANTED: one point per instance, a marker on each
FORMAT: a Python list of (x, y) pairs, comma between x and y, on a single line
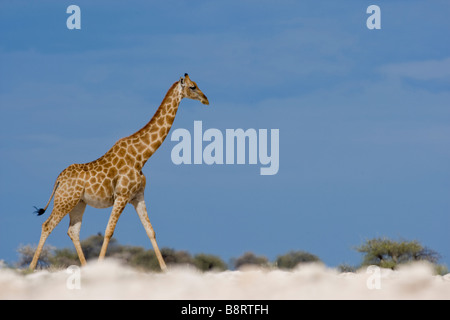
[(41, 211)]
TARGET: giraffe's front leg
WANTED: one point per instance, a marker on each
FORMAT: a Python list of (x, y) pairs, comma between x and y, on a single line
[(119, 205), (139, 205)]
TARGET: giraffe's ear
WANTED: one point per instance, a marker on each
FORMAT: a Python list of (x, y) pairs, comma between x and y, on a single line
[(182, 81)]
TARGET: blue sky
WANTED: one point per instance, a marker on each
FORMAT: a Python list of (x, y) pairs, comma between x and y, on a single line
[(363, 116)]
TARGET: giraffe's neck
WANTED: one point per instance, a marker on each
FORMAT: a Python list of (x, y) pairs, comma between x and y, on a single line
[(142, 144)]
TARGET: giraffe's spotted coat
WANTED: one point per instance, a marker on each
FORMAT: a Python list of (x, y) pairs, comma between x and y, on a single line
[(116, 178)]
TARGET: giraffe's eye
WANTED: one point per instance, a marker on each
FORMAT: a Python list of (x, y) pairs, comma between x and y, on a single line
[(193, 88)]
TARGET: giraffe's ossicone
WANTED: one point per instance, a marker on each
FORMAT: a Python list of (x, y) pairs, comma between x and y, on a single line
[(116, 178)]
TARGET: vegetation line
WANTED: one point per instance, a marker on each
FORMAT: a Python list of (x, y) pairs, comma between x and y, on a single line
[(382, 252)]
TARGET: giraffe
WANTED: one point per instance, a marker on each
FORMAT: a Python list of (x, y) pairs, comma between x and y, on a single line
[(116, 178)]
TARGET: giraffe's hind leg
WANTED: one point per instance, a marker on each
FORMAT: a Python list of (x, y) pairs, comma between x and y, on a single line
[(62, 206), (76, 215), (47, 227), (67, 195)]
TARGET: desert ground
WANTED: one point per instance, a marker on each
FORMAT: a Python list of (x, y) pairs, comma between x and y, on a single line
[(111, 280)]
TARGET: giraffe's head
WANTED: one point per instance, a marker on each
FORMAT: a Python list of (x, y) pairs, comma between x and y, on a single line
[(191, 90)]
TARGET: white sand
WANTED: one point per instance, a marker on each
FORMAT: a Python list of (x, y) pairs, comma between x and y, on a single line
[(110, 280)]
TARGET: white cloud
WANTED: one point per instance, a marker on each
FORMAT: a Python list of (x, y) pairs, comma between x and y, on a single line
[(419, 70)]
